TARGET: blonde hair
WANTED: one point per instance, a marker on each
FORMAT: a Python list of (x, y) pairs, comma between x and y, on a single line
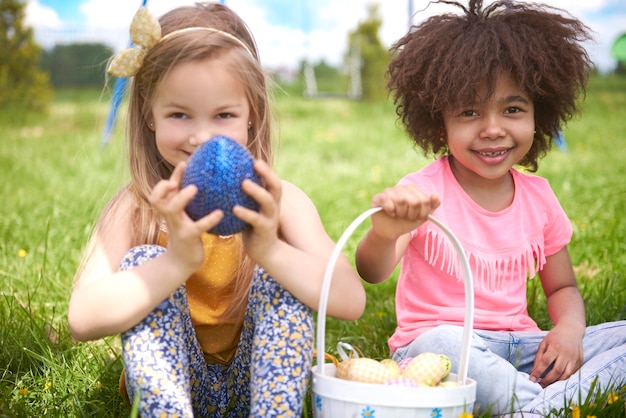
[(147, 166)]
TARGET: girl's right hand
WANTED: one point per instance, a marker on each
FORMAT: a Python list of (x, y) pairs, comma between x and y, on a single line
[(261, 239), (404, 208), (108, 300), (184, 242)]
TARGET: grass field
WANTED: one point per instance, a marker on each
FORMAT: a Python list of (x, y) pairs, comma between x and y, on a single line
[(56, 177)]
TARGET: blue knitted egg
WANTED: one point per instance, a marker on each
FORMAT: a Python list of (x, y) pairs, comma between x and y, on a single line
[(217, 168)]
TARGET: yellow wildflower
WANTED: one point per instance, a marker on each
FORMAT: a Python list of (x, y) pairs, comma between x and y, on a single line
[(613, 397), (21, 253)]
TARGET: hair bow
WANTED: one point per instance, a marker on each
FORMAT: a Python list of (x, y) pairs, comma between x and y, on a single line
[(145, 32)]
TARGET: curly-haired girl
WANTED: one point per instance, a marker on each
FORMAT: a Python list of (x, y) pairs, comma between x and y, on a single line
[(485, 90)]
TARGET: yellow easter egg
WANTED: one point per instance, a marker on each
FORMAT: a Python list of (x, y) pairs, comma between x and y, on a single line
[(426, 369), (366, 370), (342, 369), (392, 366), (447, 364)]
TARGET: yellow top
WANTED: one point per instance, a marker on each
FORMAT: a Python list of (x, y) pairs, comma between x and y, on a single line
[(210, 292)]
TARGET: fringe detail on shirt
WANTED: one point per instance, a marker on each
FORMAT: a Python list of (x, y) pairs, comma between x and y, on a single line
[(489, 273)]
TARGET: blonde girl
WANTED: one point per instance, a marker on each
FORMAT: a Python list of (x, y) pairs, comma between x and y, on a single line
[(210, 325)]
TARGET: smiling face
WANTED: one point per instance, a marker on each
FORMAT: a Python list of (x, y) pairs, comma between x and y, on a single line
[(195, 102), (487, 138)]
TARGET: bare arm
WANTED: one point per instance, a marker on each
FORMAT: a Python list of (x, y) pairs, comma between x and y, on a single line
[(404, 209), (106, 301), (377, 256), (562, 347)]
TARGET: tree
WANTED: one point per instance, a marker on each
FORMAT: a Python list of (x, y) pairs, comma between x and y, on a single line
[(618, 51), (77, 65), (364, 43), (329, 81), (23, 86)]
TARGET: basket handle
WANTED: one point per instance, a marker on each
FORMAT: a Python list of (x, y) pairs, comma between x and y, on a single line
[(468, 286)]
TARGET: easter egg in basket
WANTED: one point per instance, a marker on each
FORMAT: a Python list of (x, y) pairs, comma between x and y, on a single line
[(427, 369), (367, 370), (217, 168)]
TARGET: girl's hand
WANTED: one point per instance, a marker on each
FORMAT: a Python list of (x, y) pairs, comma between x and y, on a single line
[(404, 208), (262, 235), (560, 355), (184, 241)]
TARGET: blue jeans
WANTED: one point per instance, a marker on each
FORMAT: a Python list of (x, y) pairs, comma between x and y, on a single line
[(165, 366), (500, 363)]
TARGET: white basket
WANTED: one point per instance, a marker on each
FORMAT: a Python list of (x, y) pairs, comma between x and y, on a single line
[(340, 398)]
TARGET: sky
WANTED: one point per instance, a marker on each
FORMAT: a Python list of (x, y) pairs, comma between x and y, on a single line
[(288, 31)]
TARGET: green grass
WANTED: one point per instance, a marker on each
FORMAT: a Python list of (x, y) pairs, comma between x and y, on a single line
[(56, 178)]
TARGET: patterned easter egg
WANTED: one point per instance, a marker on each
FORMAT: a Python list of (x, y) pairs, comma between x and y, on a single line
[(217, 168), (404, 362), (426, 369), (342, 369), (402, 381), (447, 365), (392, 366), (366, 370)]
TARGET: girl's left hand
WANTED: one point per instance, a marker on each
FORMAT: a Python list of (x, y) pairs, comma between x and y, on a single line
[(259, 239), (559, 355)]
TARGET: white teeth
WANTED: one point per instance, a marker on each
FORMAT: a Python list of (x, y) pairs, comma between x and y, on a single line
[(492, 154)]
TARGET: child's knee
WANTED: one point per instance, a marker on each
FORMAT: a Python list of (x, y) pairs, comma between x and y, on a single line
[(443, 339), (445, 335)]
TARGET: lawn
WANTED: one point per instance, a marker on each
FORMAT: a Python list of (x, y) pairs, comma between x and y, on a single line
[(57, 176)]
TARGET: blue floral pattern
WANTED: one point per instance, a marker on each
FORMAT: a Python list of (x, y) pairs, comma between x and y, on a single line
[(368, 412), (318, 402), (165, 366)]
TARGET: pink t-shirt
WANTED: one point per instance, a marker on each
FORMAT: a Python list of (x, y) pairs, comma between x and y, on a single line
[(504, 249)]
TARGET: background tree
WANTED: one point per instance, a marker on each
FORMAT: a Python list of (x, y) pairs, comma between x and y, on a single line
[(77, 65), (365, 43), (329, 80), (618, 52), (23, 86)]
